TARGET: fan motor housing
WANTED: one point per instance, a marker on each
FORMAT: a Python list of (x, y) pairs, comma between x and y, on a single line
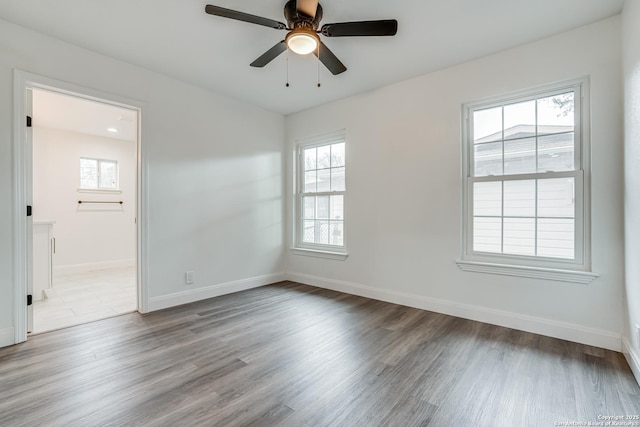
[(300, 20)]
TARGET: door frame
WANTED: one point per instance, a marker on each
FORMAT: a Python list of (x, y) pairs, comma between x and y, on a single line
[(23, 180)]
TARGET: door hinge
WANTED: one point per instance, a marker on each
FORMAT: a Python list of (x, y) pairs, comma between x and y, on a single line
[(29, 299), (28, 121), (29, 210)]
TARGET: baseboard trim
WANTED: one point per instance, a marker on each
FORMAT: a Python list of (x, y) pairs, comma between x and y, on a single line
[(7, 337), (537, 325), (84, 268), (633, 358), (193, 295)]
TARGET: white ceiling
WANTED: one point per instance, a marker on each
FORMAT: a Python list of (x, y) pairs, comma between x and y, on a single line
[(179, 39), (57, 111)]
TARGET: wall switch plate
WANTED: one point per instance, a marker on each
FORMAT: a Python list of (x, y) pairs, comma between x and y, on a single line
[(188, 277)]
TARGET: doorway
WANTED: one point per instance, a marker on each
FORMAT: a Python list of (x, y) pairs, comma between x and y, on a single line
[(78, 171), (84, 197)]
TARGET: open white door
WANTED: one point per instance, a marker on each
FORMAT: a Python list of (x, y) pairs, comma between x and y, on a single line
[(25, 84), (28, 151)]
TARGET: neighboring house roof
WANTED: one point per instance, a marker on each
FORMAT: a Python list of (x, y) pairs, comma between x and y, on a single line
[(524, 131)]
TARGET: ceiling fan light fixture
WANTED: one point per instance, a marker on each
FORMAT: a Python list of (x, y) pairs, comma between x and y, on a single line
[(303, 18), (302, 41)]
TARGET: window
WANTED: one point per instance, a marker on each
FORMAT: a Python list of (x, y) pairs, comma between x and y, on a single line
[(98, 174), (524, 180), (321, 195)]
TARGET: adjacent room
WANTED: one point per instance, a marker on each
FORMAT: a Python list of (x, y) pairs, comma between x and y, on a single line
[(287, 213), (84, 185)]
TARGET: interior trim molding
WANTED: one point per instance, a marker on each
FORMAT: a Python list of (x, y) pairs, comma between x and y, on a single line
[(582, 277), (98, 191), (633, 358), (198, 294), (83, 268), (19, 223), (23, 81), (7, 337), (339, 256), (537, 325)]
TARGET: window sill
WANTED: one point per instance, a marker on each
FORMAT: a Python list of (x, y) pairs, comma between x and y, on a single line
[(582, 277), (338, 256), (99, 191)]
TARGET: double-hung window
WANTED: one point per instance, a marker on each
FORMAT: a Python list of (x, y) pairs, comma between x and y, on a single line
[(525, 185), (321, 192), (98, 174)]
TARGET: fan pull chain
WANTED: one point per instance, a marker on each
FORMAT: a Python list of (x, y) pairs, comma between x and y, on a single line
[(287, 85), (318, 64)]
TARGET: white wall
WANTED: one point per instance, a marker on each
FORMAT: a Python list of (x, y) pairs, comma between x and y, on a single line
[(215, 181), (88, 235), (214, 172), (403, 204), (631, 72)]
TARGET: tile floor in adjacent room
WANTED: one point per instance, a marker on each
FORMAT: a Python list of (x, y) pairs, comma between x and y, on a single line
[(84, 297)]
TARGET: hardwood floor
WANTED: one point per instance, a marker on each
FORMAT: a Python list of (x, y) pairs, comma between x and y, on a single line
[(294, 355), (77, 298)]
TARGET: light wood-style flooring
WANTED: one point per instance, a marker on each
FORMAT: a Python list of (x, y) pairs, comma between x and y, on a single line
[(294, 355), (77, 298)]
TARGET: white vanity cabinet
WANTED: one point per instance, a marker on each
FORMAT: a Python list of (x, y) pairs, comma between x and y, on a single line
[(43, 247)]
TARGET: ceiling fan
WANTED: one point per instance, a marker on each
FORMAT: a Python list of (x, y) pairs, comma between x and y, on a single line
[(303, 18)]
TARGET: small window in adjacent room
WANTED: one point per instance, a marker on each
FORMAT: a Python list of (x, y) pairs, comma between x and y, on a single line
[(321, 193), (526, 195), (98, 174)]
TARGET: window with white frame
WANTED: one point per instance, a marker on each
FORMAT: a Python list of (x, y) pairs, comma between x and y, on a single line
[(98, 174), (321, 194), (525, 187)]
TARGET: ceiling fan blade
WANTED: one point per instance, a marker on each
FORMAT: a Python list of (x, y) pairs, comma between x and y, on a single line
[(270, 55), (308, 7), (241, 16), (387, 27), (329, 60)]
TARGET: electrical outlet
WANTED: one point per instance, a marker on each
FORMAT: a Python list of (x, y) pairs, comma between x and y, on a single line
[(188, 277), (638, 332)]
